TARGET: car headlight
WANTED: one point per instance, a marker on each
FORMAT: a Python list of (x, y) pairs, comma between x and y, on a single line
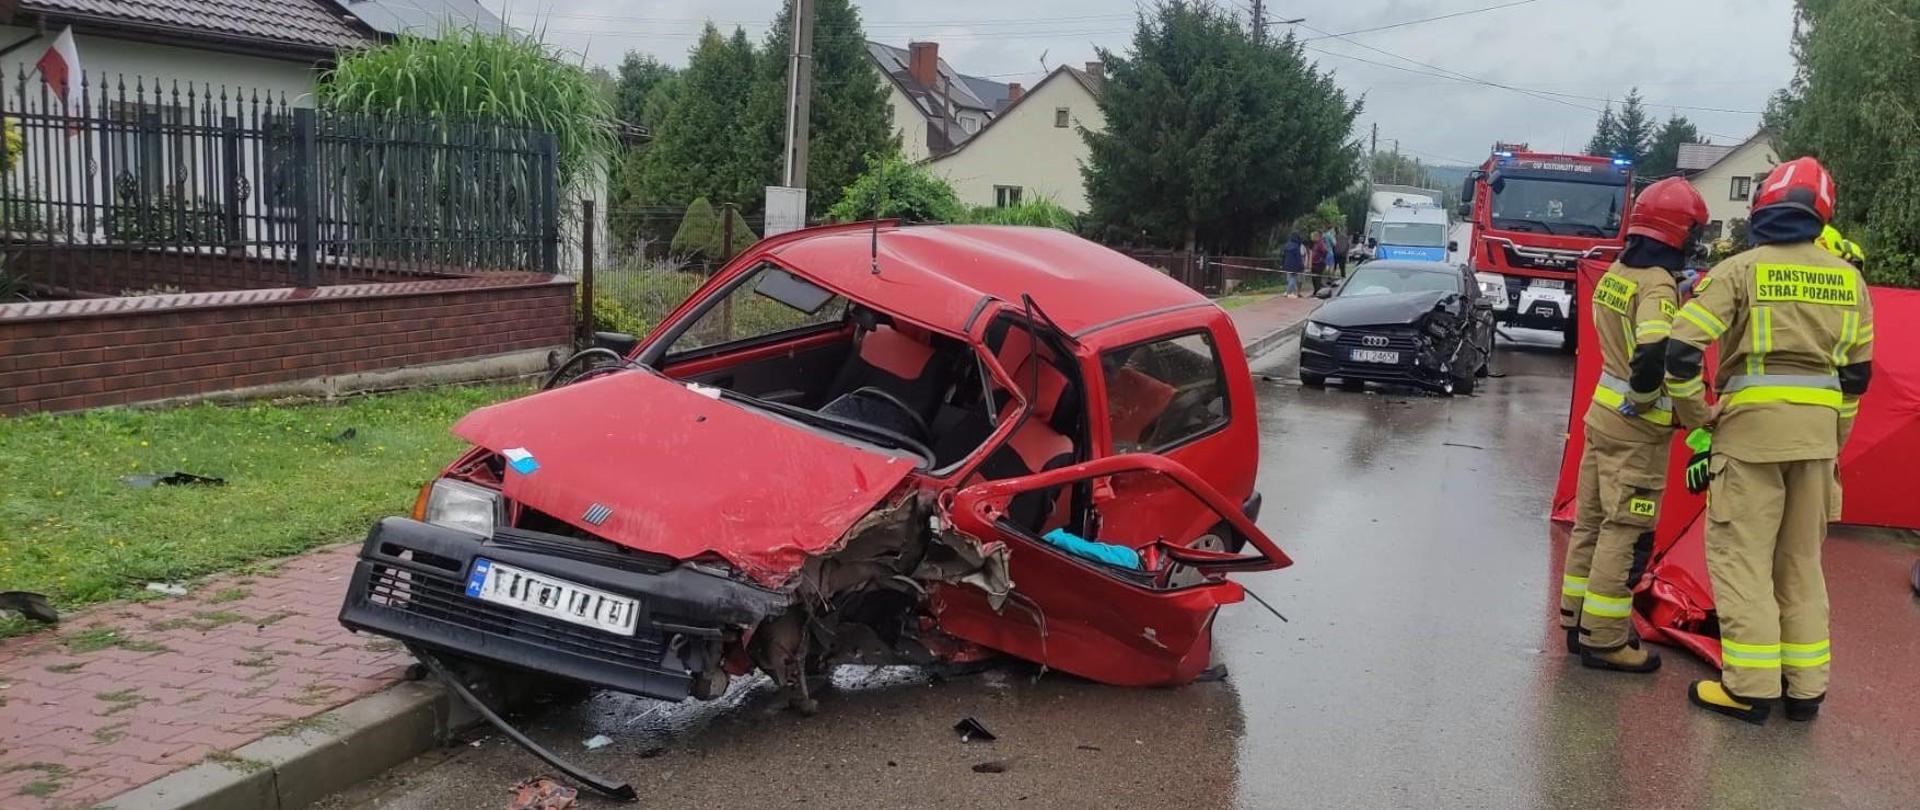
[(1321, 331), (1492, 286), (463, 506)]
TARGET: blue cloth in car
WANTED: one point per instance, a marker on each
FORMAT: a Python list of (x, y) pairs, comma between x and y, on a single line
[(1101, 552)]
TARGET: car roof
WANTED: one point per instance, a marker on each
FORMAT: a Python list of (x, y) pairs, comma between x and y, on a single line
[(939, 274), (1409, 264)]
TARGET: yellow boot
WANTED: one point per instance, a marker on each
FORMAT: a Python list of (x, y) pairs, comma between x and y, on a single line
[(1629, 657), (1714, 697)]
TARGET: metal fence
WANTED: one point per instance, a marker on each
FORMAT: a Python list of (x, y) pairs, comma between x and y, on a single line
[(191, 187)]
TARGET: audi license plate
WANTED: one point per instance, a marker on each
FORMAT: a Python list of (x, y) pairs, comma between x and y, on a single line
[(552, 597), (1374, 356), (1550, 283)]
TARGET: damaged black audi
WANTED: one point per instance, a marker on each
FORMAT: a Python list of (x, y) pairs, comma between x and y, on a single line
[(1421, 324)]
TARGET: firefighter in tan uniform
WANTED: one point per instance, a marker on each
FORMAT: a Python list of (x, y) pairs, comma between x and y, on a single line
[(1795, 330), (1629, 427)]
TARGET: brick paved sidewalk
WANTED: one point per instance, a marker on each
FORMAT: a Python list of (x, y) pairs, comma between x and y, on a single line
[(1263, 318), (125, 693)]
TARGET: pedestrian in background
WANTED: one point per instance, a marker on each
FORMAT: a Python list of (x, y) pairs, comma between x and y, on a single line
[(1341, 244), (1293, 263), (1317, 257)]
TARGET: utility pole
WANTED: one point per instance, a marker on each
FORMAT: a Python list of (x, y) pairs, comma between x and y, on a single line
[(799, 95), (1373, 148), (1259, 21)]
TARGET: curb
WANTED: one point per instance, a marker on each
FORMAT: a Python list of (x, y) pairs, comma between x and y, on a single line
[(1271, 340), (327, 753)]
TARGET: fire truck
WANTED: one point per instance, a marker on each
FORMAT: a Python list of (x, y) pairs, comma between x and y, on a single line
[(1535, 215)]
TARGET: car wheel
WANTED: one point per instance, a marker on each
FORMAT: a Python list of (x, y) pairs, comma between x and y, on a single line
[(1486, 361), (1570, 338), (1462, 386), (1313, 380)]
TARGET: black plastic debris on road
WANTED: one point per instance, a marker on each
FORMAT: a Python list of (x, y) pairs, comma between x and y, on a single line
[(971, 729), (994, 766)]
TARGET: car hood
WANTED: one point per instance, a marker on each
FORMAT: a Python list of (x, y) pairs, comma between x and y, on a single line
[(1368, 310), (648, 463)]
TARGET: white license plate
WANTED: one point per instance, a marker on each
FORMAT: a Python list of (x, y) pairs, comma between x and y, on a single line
[(552, 597), (1375, 356), (1549, 284)]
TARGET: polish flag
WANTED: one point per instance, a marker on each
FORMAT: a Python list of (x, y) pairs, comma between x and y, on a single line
[(60, 68)]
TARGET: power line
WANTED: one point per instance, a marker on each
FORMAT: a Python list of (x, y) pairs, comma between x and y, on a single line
[(1544, 95), (1406, 23)]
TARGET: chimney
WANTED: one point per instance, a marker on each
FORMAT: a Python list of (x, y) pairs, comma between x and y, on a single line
[(1097, 70), (923, 62), (1014, 92)]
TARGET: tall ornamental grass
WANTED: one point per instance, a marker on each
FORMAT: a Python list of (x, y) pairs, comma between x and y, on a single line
[(472, 76)]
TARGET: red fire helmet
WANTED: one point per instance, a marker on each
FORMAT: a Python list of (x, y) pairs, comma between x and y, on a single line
[(1667, 212), (1800, 183)]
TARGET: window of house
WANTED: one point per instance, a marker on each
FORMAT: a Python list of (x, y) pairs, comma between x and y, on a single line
[(1742, 188), (1164, 392), (1006, 196), (1060, 116), (769, 303), (1712, 231)]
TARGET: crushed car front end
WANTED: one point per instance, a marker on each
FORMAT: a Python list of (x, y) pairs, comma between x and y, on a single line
[(654, 626), (1419, 354)]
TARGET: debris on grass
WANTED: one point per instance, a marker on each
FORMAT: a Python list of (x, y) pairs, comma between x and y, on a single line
[(31, 605), (167, 588), (173, 479)]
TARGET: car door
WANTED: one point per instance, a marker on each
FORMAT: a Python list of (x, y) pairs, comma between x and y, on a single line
[(1131, 626)]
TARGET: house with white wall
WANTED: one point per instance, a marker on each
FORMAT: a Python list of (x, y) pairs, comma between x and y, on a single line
[(935, 108), (1728, 177), (1033, 148)]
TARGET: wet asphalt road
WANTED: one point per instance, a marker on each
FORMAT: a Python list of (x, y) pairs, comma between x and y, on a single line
[(1418, 668)]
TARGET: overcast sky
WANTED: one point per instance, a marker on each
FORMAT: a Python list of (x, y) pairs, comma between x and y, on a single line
[(1728, 55)]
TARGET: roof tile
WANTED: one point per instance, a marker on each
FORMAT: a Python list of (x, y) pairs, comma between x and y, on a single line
[(299, 22)]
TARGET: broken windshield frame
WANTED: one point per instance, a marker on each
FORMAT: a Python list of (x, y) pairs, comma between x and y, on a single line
[(845, 427)]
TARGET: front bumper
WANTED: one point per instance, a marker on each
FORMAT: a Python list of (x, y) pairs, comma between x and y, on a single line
[(1421, 364), (410, 584)]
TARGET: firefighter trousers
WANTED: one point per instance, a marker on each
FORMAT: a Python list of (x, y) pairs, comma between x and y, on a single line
[(1765, 525), (1618, 504)]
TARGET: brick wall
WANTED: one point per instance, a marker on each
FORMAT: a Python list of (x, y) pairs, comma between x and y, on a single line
[(109, 271), (68, 355)]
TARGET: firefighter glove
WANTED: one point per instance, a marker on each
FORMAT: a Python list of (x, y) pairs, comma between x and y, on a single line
[(1700, 441)]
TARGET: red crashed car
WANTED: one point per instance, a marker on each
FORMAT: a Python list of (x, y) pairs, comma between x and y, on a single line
[(852, 445)]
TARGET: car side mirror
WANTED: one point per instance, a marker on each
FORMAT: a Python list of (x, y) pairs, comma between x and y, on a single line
[(1453, 245), (1323, 292), (619, 343)]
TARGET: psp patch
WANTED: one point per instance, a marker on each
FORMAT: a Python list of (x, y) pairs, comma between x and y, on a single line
[(1642, 507), (1614, 292), (1807, 285)]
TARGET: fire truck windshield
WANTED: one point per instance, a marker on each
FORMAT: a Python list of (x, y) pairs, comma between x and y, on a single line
[(1558, 207)]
